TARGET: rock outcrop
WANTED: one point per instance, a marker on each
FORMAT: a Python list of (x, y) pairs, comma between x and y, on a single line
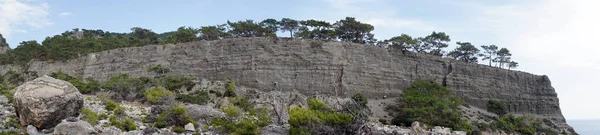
[(45, 101), (312, 67), (74, 128)]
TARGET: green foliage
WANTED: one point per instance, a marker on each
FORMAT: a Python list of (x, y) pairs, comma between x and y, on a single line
[(489, 53), (175, 83), (240, 122), (200, 98), (3, 41), (360, 99), (304, 121), (314, 29), (178, 129), (402, 42), (432, 44), (465, 52), (496, 107), (175, 117), (248, 28), (431, 103), (350, 30), (287, 24), (111, 105), (230, 92), (214, 32), (155, 96), (125, 87), (90, 116), (184, 34), (159, 69), (85, 87), (127, 124)]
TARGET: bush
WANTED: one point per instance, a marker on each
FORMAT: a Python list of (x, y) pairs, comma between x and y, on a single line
[(125, 87), (200, 98), (126, 125), (175, 116), (230, 92), (239, 122), (90, 85), (496, 107), (433, 104), (174, 83), (318, 117), (155, 96), (90, 116), (360, 99), (111, 105), (178, 129)]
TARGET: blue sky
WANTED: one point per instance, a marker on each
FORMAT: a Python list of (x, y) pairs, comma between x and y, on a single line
[(551, 37)]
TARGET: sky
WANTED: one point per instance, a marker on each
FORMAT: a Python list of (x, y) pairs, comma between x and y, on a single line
[(547, 37)]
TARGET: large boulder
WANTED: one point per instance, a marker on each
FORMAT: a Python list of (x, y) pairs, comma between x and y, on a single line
[(45, 101)]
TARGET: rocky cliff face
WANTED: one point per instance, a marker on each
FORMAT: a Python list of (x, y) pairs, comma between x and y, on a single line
[(319, 68)]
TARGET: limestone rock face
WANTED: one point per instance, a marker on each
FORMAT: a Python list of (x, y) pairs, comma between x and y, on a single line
[(312, 67), (45, 101)]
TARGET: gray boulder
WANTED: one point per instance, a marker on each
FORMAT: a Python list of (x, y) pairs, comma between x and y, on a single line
[(202, 113), (45, 101), (74, 128)]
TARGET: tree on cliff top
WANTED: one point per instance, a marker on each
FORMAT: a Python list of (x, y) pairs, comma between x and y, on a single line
[(315, 29), (3, 41), (350, 30), (290, 25), (489, 53), (402, 42), (432, 44), (503, 57), (184, 34), (213, 32), (465, 52)]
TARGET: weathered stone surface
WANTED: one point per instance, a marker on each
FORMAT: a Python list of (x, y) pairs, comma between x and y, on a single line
[(319, 68), (74, 128), (189, 127), (45, 101)]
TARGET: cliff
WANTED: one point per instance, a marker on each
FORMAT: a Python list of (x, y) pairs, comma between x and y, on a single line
[(314, 67)]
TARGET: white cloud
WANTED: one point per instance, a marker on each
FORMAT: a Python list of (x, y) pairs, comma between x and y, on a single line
[(64, 14), (17, 15), (387, 23)]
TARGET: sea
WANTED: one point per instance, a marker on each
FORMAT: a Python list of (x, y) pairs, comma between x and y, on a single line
[(585, 127)]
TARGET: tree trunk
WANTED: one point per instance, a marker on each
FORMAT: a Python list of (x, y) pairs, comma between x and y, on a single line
[(291, 35)]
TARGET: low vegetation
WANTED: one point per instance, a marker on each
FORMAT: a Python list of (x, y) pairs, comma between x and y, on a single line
[(433, 104), (90, 116), (156, 95), (200, 97), (497, 107), (242, 118), (319, 118)]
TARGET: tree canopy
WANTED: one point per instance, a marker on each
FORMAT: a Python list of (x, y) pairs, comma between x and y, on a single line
[(465, 52)]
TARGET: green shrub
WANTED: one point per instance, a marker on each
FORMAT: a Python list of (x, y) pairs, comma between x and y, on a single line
[(309, 121), (119, 111), (178, 129), (360, 99), (125, 87), (200, 98), (240, 122), (232, 111), (111, 105), (155, 96), (159, 69), (103, 116), (85, 87), (433, 104), (242, 103), (174, 83), (230, 92), (175, 116), (496, 107), (90, 116)]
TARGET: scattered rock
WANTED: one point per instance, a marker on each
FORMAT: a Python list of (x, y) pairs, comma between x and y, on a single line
[(416, 127), (189, 127), (201, 113), (45, 101), (74, 128), (111, 131), (32, 130), (150, 130), (274, 130)]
